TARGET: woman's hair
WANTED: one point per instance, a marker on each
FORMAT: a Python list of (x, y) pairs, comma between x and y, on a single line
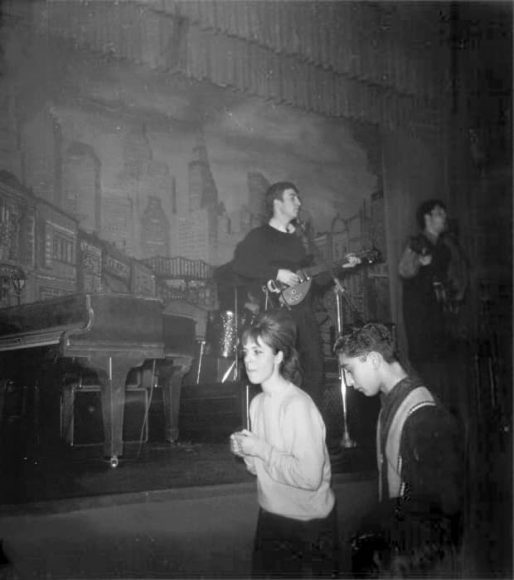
[(277, 329), (276, 191), (373, 336)]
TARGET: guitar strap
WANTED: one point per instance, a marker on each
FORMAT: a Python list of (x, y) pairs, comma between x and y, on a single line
[(267, 297), (269, 290)]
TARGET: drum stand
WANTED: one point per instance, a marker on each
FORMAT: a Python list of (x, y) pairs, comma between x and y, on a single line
[(346, 442), (234, 366), (199, 370)]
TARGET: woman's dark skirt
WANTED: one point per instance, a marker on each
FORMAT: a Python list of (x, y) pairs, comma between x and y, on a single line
[(288, 548)]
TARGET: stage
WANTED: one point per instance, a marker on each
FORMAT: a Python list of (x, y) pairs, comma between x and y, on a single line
[(44, 466), (167, 511), (186, 509), (163, 515)]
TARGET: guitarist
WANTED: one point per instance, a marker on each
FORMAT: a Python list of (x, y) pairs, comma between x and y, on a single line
[(275, 251), (434, 275)]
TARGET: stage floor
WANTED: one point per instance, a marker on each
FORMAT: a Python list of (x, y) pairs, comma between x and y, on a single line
[(40, 466), (83, 473)]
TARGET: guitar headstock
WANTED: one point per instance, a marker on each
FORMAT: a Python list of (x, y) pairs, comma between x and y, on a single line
[(371, 256)]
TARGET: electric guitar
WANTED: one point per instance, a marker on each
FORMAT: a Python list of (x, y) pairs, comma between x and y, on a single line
[(293, 295)]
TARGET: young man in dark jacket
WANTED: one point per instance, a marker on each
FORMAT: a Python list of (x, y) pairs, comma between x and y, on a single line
[(418, 454)]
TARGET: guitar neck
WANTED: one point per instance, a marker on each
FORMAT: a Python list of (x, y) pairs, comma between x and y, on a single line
[(367, 257), (320, 268)]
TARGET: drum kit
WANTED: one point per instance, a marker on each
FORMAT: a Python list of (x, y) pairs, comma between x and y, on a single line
[(224, 331)]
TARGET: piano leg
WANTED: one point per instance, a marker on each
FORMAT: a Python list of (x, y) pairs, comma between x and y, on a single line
[(113, 401), (171, 376)]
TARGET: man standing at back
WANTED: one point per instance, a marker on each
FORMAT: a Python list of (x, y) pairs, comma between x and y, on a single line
[(275, 252), (434, 275)]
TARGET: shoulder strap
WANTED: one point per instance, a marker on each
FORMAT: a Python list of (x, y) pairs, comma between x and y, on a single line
[(418, 397)]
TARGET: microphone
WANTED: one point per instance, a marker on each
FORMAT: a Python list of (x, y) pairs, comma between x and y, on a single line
[(300, 224), (302, 231)]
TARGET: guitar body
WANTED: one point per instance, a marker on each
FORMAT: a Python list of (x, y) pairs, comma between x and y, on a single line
[(293, 295)]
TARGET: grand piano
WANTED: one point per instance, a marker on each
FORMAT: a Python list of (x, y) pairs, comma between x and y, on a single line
[(109, 333)]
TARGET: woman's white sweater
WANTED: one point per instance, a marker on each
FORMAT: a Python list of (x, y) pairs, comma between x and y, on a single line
[(293, 479)]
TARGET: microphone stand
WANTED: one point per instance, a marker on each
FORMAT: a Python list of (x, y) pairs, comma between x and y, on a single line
[(346, 442)]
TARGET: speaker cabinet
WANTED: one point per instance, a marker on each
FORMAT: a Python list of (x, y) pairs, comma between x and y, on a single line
[(81, 416), (210, 412)]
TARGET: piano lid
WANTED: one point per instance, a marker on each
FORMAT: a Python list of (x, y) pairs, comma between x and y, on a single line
[(42, 323), (108, 318)]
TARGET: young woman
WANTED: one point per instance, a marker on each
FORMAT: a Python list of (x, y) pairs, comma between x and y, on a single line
[(296, 532)]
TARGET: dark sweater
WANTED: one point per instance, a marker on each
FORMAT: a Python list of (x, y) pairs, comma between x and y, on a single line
[(432, 469), (423, 315), (430, 451), (257, 259), (265, 250)]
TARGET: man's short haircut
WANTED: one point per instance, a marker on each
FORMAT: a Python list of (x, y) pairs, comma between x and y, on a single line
[(276, 191), (426, 208), (372, 337)]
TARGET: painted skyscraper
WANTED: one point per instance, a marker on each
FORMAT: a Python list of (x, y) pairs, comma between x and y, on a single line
[(198, 239)]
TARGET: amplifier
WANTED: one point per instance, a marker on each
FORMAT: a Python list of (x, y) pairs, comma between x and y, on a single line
[(212, 411), (81, 415)]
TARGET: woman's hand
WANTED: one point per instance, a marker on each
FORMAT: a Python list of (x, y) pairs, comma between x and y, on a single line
[(245, 443), (235, 445)]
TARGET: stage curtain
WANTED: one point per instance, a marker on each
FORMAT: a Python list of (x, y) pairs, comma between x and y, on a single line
[(382, 63)]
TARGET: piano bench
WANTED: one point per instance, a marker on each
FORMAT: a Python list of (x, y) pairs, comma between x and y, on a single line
[(81, 422)]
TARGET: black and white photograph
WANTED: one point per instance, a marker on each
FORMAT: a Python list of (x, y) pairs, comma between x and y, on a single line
[(256, 289)]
